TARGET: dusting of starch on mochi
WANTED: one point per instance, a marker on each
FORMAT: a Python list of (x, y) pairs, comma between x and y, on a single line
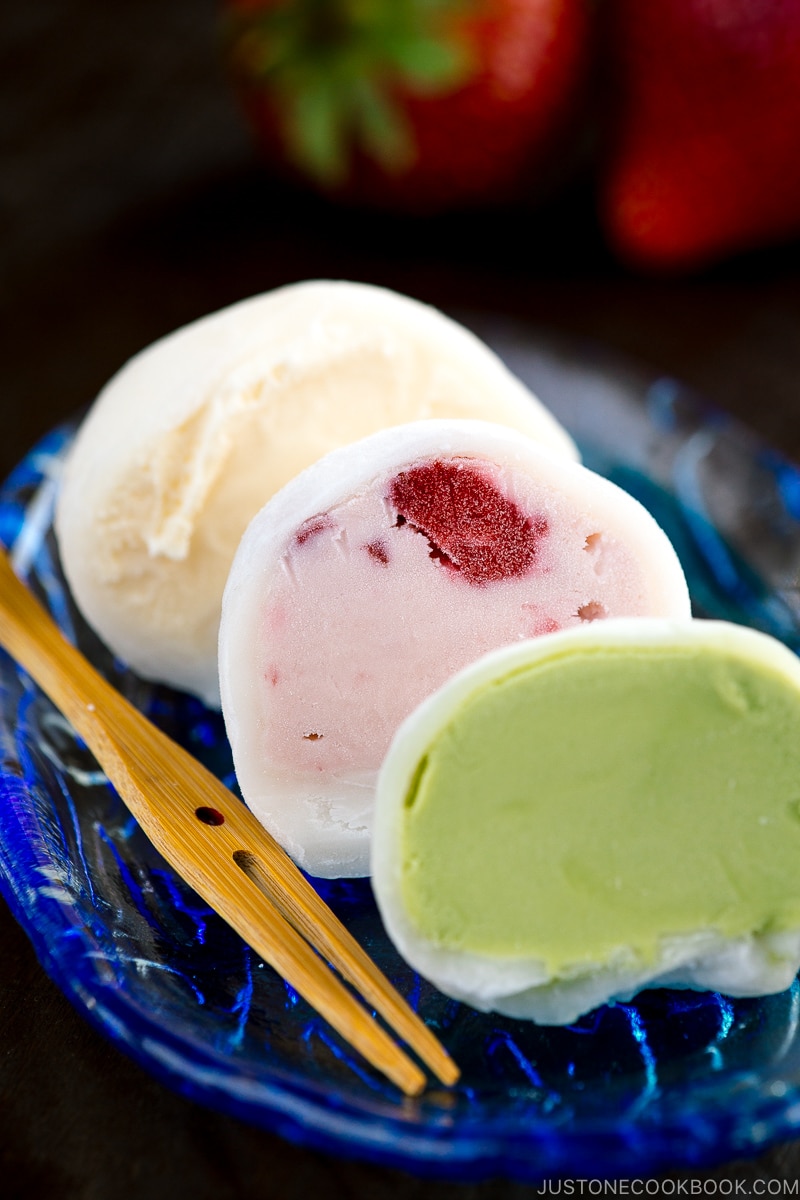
[(470, 525)]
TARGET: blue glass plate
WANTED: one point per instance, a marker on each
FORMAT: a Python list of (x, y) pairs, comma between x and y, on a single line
[(674, 1079)]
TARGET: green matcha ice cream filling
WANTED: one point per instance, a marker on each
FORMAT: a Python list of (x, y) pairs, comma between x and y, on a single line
[(602, 801)]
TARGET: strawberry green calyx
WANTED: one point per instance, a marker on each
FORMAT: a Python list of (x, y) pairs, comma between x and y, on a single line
[(335, 70)]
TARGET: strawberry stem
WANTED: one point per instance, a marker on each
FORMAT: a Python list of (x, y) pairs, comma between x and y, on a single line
[(335, 72)]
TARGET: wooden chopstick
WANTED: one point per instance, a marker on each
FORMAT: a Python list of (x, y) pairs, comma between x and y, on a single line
[(213, 841)]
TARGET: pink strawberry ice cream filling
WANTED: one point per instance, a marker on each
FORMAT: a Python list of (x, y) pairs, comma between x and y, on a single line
[(382, 598)]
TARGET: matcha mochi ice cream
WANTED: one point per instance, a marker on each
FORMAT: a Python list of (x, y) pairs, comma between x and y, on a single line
[(604, 809), (189, 440)]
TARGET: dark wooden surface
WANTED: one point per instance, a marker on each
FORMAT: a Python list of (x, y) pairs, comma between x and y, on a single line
[(131, 202)]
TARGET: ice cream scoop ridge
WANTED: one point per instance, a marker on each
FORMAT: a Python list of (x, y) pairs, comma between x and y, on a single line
[(382, 570), (188, 441), (575, 818)]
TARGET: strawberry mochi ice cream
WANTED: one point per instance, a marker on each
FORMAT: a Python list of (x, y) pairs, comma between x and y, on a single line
[(381, 571)]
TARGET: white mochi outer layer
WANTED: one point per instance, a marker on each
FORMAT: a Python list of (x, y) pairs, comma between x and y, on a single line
[(188, 441), (754, 965), (386, 640)]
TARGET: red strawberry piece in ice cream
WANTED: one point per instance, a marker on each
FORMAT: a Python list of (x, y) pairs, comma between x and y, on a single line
[(470, 525)]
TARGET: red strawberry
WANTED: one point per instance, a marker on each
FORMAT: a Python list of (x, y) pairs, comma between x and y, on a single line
[(414, 104), (706, 156)]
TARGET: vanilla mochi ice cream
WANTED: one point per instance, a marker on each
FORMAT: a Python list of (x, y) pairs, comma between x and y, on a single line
[(382, 570), (189, 440)]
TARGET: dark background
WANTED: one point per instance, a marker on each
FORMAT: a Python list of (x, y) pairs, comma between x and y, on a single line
[(131, 201)]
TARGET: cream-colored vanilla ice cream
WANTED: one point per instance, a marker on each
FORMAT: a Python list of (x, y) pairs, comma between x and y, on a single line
[(604, 809), (189, 440), (383, 569)]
